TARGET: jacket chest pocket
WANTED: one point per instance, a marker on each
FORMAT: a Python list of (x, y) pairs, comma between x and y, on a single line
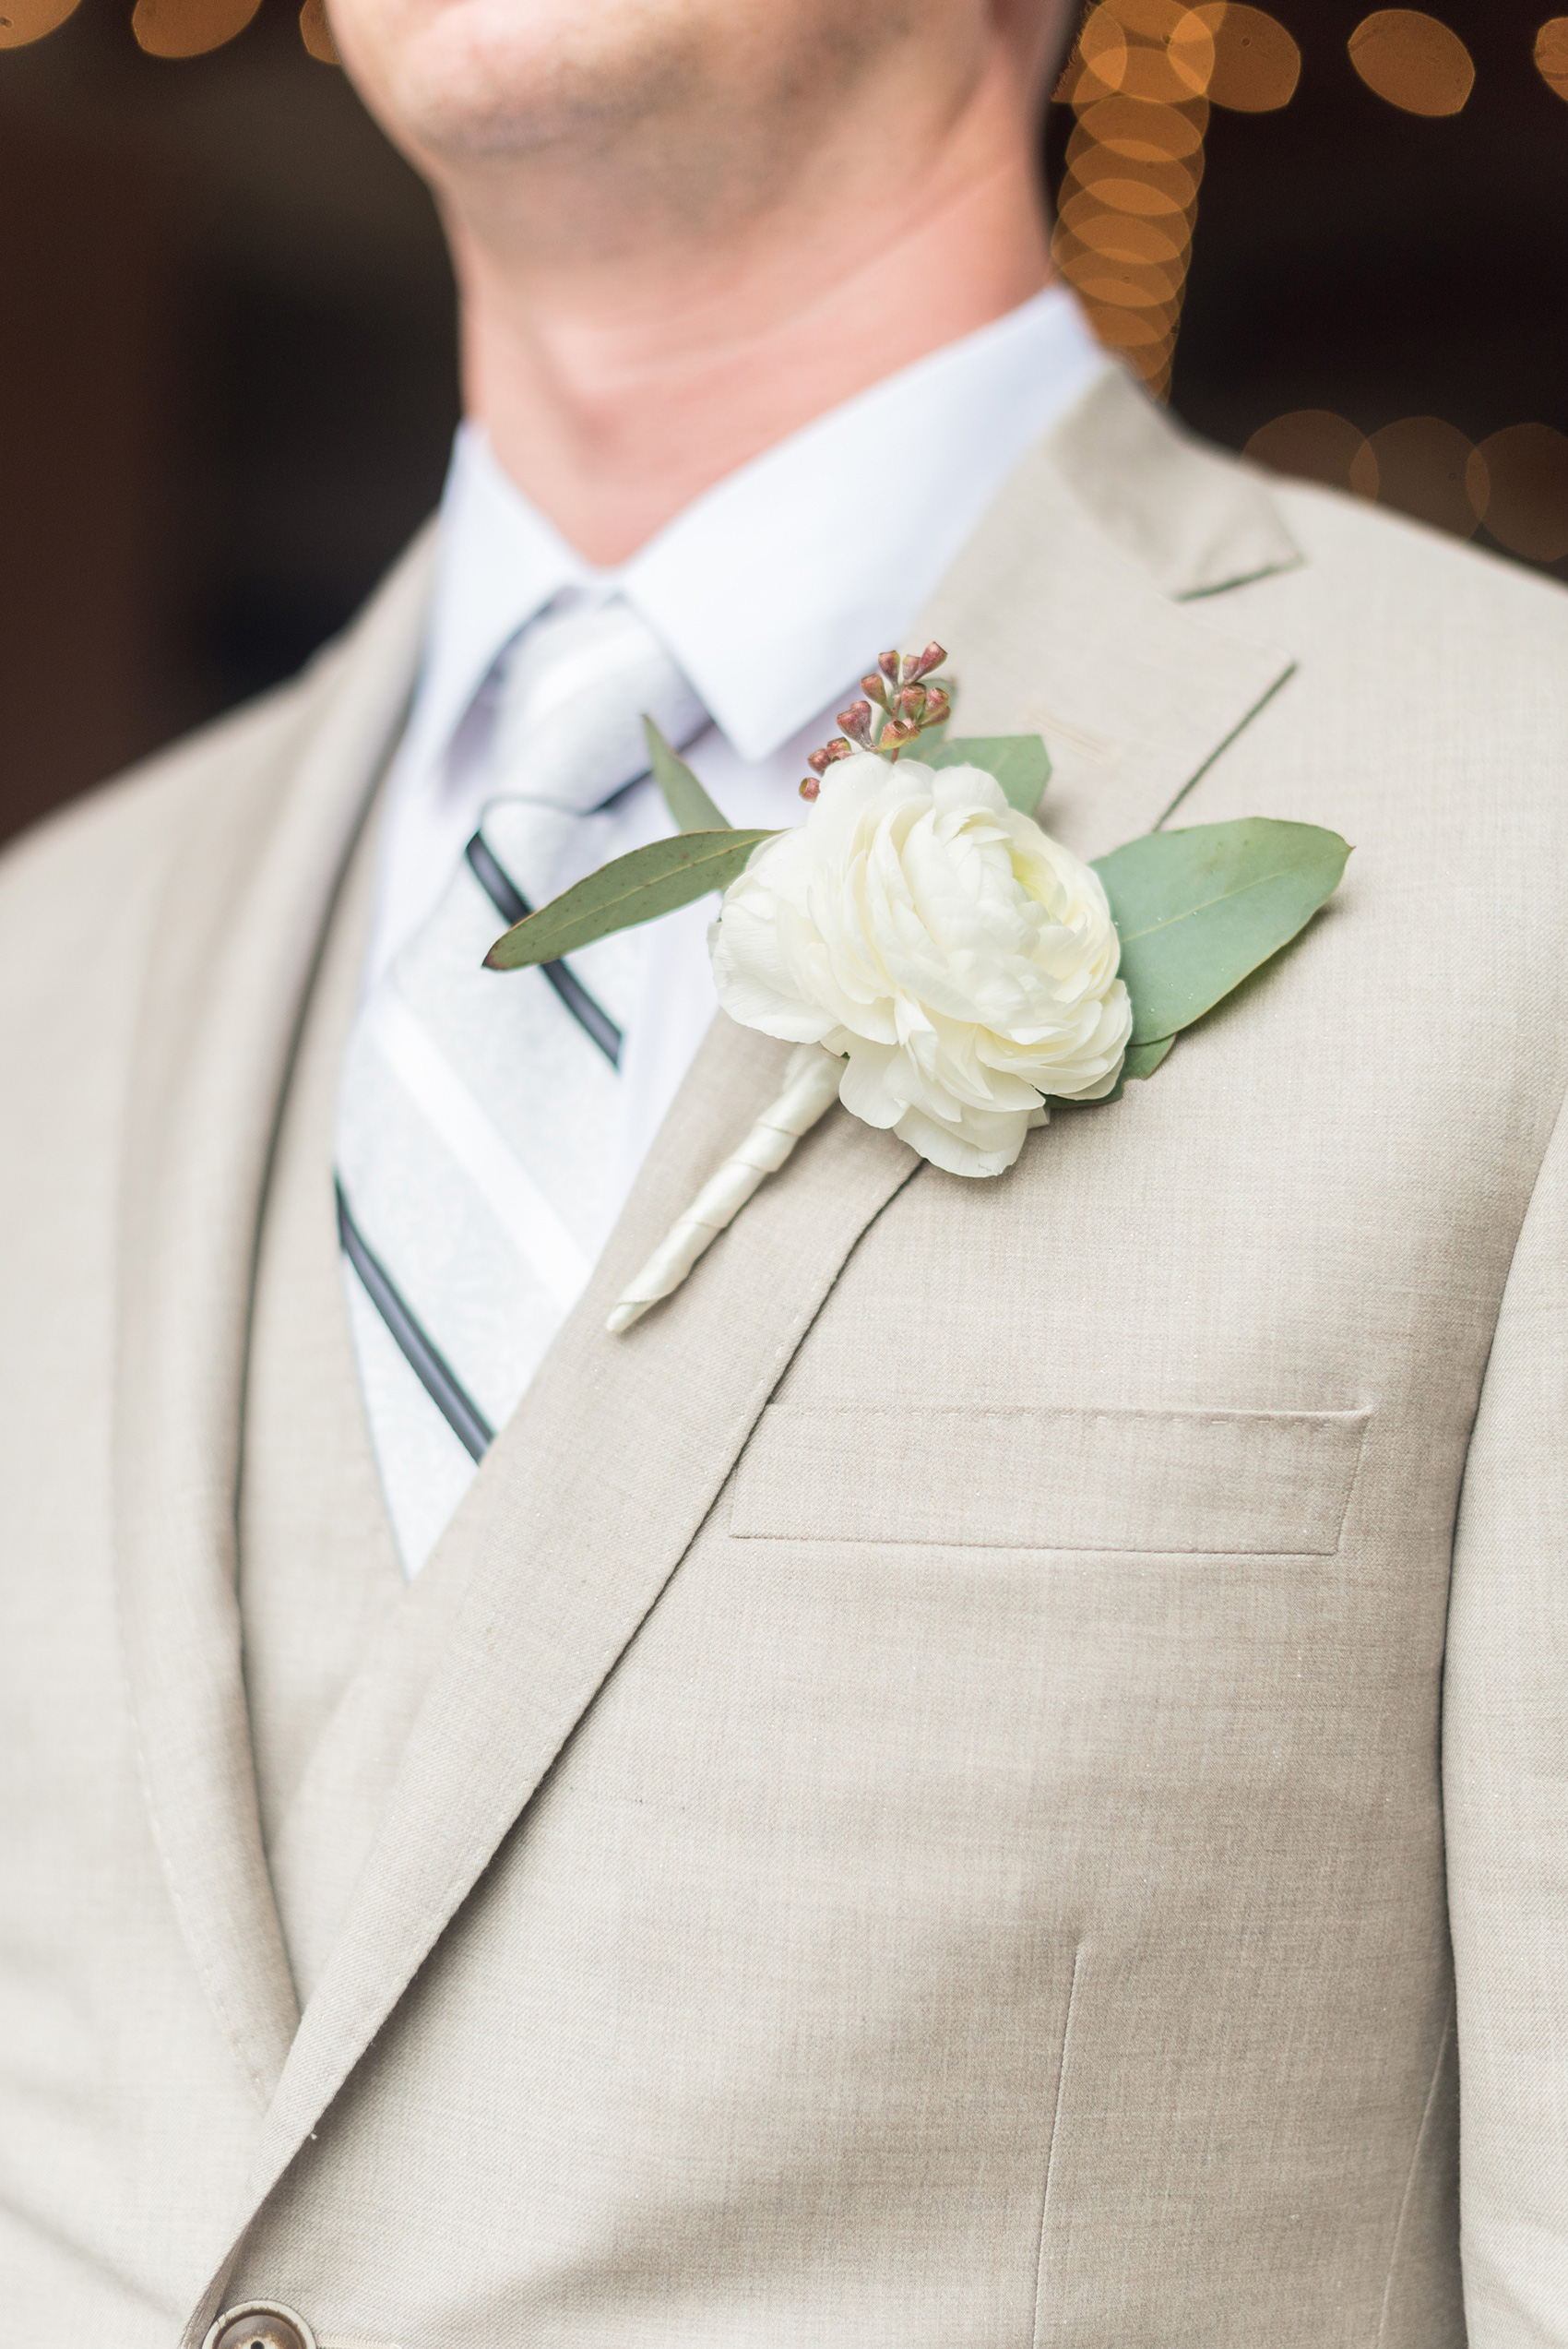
[(1050, 1478)]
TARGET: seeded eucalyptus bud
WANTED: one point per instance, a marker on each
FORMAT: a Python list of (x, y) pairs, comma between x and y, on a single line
[(896, 736), (917, 665), (823, 758)]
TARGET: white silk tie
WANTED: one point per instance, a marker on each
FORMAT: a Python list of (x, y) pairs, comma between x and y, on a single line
[(479, 1113)]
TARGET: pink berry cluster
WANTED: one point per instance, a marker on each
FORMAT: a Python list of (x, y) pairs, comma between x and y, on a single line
[(899, 707)]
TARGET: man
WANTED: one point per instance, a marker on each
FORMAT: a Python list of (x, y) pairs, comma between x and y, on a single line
[(899, 1801)]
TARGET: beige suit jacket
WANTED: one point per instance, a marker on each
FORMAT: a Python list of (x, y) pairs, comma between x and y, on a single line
[(937, 1794)]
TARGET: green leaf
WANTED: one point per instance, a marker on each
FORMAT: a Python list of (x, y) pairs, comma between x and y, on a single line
[(691, 810), (1199, 910), (637, 888), (1020, 763), (1144, 1059)]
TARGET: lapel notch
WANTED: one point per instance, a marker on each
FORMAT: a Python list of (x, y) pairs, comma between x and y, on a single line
[(1089, 607)]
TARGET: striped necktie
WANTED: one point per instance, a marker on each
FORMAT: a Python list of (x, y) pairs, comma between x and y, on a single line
[(478, 1117)]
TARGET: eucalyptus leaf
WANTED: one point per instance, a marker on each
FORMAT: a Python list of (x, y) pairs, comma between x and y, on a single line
[(1020, 763), (638, 887), (1199, 910), (691, 810), (1144, 1059)]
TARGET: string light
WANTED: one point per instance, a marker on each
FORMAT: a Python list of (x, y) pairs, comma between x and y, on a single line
[(1515, 481), (1140, 80), (1413, 61)]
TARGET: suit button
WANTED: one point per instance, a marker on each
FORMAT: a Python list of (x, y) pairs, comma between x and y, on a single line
[(260, 2324)]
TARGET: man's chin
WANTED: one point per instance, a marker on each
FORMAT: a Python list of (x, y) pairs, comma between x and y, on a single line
[(462, 79)]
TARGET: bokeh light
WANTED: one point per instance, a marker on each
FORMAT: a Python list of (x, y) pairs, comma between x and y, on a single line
[(189, 28), (22, 21), (1140, 80), (1256, 62), (1413, 61), (316, 33), (1315, 443), (1518, 484), (1141, 134), (1421, 467), (1123, 236), (1551, 54), (1515, 481)]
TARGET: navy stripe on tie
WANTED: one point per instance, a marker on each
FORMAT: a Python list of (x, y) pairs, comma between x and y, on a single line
[(513, 906), (424, 1358)]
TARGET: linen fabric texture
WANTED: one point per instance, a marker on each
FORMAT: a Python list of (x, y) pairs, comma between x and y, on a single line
[(905, 1805)]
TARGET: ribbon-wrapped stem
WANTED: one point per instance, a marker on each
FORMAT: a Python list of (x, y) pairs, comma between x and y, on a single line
[(810, 1089)]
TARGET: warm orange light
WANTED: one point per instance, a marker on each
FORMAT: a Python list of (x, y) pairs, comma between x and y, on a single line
[(1149, 51), (1518, 486), (1120, 237), (1413, 61), (189, 28), (25, 20), (316, 33), (1125, 285), (1136, 81), (1150, 188), (1144, 134), (1256, 62), (1148, 20), (1101, 55), (1551, 54), (1424, 467), (1122, 196), (1315, 444), (1140, 333)]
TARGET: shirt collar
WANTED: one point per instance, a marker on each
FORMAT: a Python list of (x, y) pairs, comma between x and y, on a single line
[(821, 551)]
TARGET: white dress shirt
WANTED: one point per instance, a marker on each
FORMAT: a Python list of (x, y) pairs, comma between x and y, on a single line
[(774, 591)]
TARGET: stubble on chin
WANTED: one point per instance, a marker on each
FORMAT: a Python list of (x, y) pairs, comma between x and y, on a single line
[(466, 82), (699, 88)]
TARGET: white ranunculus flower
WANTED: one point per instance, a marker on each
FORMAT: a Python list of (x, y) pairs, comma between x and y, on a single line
[(963, 960)]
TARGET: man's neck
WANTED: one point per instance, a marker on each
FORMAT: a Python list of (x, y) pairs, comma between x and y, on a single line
[(620, 380)]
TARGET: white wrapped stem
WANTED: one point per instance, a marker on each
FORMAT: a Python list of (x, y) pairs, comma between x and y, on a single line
[(810, 1089)]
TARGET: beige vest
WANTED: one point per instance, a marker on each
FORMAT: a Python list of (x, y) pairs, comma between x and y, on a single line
[(337, 1646), (321, 1587)]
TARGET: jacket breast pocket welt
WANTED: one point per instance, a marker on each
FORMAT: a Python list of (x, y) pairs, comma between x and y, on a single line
[(1051, 1477)]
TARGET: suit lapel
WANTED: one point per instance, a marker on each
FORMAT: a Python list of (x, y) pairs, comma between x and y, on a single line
[(1062, 612), (244, 908), (1087, 608)]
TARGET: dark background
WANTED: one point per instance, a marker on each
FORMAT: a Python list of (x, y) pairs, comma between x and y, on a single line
[(227, 372)]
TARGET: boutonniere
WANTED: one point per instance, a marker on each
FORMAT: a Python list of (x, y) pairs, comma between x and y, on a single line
[(945, 968)]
